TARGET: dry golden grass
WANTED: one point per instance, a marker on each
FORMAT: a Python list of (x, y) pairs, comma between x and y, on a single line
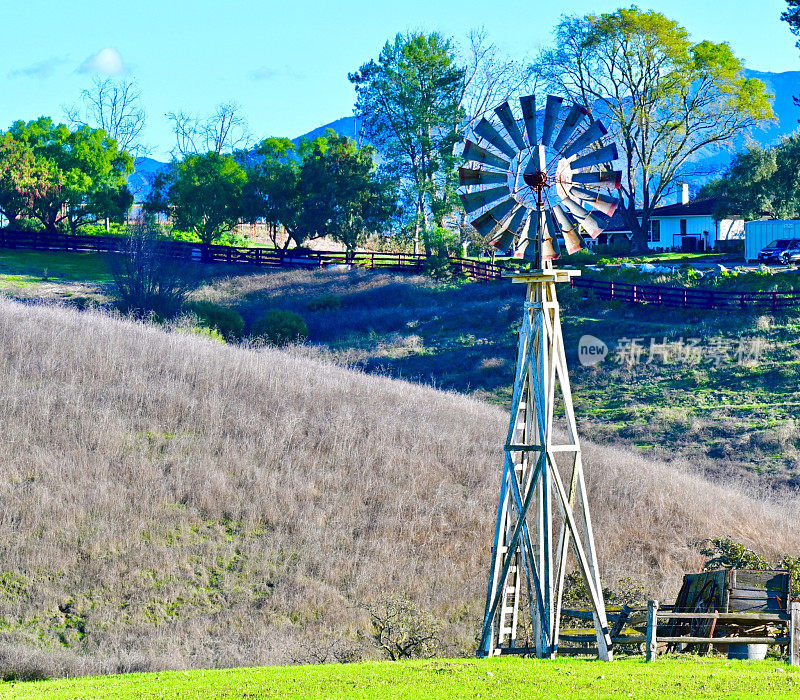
[(167, 501)]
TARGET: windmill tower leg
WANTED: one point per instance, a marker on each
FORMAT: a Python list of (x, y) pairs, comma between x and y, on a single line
[(529, 555)]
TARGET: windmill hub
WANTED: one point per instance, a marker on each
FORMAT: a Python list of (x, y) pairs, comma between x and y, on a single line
[(536, 180)]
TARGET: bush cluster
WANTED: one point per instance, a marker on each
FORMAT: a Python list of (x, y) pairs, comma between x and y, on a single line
[(228, 322), (279, 328)]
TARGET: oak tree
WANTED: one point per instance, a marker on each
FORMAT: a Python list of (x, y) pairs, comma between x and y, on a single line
[(664, 97)]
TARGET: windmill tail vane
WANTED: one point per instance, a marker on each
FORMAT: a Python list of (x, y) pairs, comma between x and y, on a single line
[(533, 180)]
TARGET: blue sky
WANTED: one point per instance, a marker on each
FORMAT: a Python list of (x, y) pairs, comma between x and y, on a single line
[(286, 62)]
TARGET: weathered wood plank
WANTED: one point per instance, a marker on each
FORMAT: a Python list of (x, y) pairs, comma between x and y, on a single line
[(739, 616), (725, 640), (584, 638), (794, 634), (651, 650)]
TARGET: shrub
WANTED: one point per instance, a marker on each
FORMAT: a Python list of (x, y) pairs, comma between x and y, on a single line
[(147, 280), (228, 322), (402, 630), (278, 327), (210, 333), (727, 553), (327, 302)]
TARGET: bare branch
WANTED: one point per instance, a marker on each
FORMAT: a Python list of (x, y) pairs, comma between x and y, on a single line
[(224, 131), (114, 105)]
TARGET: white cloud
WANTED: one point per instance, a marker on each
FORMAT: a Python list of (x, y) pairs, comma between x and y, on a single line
[(107, 61), (265, 73), (41, 69)]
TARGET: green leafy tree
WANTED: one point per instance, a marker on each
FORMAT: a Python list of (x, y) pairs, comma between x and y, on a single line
[(760, 182), (75, 176), (272, 192), (327, 186), (18, 178), (663, 97), (202, 193), (342, 195), (409, 101)]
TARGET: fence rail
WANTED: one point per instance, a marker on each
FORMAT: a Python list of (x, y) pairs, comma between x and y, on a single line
[(265, 257), (661, 295), (687, 297), (651, 629)]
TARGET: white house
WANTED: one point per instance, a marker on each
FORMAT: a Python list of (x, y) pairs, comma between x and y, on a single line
[(687, 225)]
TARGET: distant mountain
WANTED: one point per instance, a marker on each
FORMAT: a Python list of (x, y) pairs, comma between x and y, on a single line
[(140, 181), (346, 126), (783, 86), (714, 159)]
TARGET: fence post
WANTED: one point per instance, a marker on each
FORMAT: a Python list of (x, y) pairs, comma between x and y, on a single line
[(794, 634), (651, 648)]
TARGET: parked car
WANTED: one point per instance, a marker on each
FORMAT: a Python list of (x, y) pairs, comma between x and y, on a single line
[(793, 257), (779, 251)]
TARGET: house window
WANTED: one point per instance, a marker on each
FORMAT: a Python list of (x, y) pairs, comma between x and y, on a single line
[(655, 232), (683, 227)]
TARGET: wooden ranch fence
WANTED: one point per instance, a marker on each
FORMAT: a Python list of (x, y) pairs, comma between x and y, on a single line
[(654, 623), (265, 257), (679, 297), (687, 298)]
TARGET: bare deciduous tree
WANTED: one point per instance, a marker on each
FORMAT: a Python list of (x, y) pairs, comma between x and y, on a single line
[(224, 131), (113, 105), (490, 77)]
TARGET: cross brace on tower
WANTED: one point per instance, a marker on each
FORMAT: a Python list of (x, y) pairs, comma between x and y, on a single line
[(525, 562)]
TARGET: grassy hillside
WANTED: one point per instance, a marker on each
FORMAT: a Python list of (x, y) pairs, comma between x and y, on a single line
[(171, 502), (446, 678), (734, 420), (728, 418)]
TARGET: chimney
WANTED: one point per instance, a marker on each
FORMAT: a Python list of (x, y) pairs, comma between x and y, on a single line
[(683, 193)]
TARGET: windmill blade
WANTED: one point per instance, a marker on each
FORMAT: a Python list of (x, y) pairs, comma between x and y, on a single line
[(594, 132), (504, 238), (551, 110), (585, 219), (528, 105), (606, 154), (468, 176), (510, 124), (486, 131), (473, 201), (569, 230), (478, 154), (525, 249), (550, 249), (538, 161), (486, 224), (526, 240), (576, 114), (609, 178), (598, 200)]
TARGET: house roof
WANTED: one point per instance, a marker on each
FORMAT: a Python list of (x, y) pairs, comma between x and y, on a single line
[(697, 207)]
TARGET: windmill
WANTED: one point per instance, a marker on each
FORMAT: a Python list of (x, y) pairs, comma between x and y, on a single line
[(530, 181)]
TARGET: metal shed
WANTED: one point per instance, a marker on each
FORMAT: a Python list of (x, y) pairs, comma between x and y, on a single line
[(759, 234)]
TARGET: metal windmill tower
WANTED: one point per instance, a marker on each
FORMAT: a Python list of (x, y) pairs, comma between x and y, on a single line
[(531, 181)]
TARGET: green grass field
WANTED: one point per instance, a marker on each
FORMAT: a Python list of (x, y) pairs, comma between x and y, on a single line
[(444, 678), (40, 266)]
